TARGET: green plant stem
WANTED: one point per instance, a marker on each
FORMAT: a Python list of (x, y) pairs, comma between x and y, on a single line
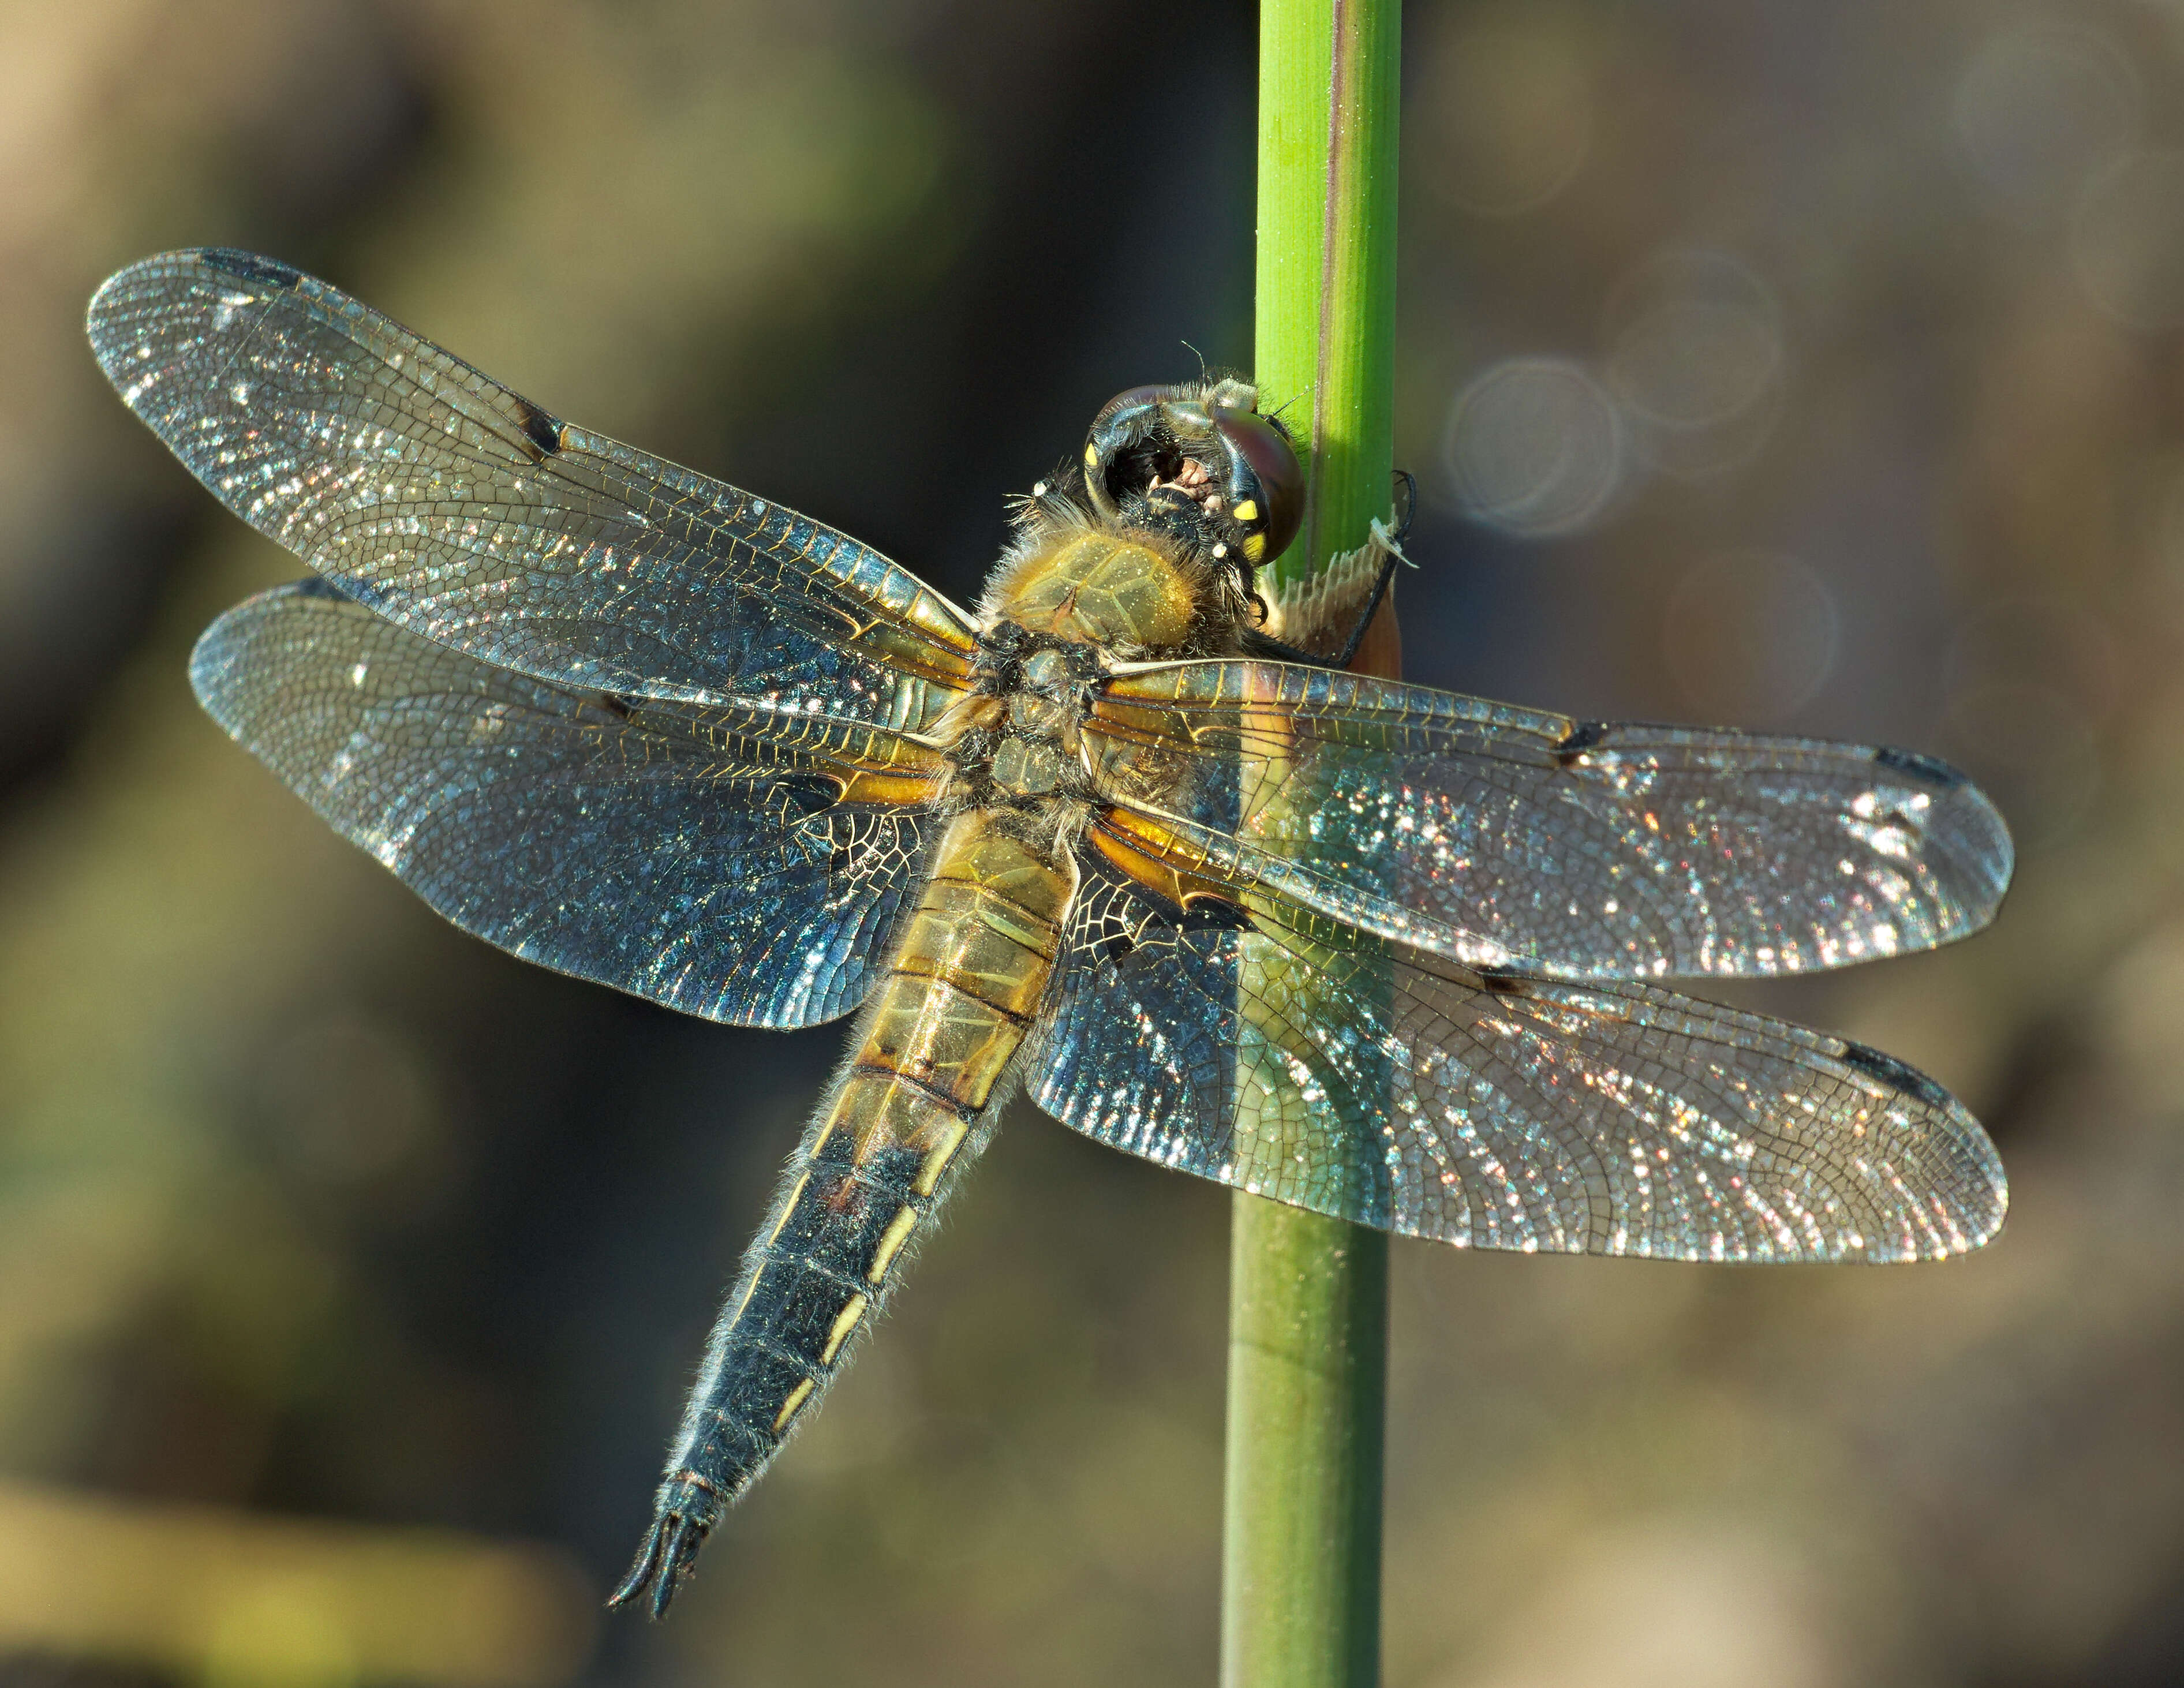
[(1308, 1295)]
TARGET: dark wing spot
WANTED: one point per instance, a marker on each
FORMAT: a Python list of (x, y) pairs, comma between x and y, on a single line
[(1113, 950), (318, 586), (1896, 1075), (615, 703), (249, 266), (1586, 735), (1504, 981), (539, 428), (1931, 769)]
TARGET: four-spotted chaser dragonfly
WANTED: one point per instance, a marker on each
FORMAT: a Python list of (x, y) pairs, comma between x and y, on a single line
[(1381, 951)]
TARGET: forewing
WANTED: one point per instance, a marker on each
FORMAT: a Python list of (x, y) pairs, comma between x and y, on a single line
[(463, 511), (1495, 835), (1268, 1047), (649, 846)]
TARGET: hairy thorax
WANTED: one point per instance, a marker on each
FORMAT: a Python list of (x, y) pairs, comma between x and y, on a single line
[(1063, 607)]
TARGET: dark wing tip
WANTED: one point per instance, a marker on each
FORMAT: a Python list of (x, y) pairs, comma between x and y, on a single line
[(1971, 828), (1980, 1189), (222, 651), (1931, 769), (122, 290), (135, 313), (1967, 837), (246, 266), (1896, 1075)]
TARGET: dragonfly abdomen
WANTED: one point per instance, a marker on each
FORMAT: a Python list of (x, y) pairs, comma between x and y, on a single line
[(907, 1114)]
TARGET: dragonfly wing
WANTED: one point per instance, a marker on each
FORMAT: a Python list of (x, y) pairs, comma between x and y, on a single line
[(1495, 835), (462, 510), (1263, 1045), (647, 846)]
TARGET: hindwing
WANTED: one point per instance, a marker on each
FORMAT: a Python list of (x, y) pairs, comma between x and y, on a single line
[(684, 854)]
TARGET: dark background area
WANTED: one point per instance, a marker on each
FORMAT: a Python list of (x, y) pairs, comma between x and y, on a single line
[(1813, 366)]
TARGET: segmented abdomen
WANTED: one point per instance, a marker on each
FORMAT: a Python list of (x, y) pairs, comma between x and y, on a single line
[(902, 1121)]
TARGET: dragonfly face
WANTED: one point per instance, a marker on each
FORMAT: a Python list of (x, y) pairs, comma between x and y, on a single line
[(1385, 952), (1198, 461)]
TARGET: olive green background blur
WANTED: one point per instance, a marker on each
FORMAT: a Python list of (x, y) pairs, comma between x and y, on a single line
[(1816, 365)]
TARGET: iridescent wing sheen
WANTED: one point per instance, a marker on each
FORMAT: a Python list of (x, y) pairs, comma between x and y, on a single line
[(1495, 835), (651, 846), (1264, 1045), (463, 511)]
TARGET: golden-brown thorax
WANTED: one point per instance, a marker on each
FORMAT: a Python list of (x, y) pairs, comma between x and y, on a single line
[(1125, 592)]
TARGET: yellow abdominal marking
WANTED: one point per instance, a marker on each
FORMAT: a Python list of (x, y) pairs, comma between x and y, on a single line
[(991, 913), (797, 1397), (891, 1243), (788, 1209), (1255, 547), (1246, 511), (937, 1157), (788, 1212), (1091, 455), (845, 1322)]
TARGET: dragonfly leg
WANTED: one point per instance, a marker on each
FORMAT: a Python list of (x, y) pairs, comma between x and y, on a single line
[(1262, 645)]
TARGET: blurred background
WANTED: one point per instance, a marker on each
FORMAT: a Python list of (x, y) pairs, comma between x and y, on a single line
[(1816, 365)]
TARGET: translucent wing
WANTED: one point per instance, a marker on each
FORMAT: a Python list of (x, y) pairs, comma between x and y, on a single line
[(466, 513), (1267, 1046), (1495, 835), (649, 846)]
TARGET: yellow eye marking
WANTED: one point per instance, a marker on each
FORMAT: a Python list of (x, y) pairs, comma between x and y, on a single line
[(891, 1243), (797, 1397), (845, 1322), (1091, 455), (1247, 511), (1255, 548)]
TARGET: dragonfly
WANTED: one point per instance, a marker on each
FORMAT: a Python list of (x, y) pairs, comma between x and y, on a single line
[(1383, 952)]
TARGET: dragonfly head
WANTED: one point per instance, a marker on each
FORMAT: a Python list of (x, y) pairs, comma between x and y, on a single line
[(1198, 460)]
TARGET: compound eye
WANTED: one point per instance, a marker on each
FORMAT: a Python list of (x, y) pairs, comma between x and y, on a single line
[(1268, 480), (1123, 421), (1134, 399)]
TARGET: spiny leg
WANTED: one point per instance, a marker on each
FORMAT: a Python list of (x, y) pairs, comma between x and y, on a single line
[(1264, 644)]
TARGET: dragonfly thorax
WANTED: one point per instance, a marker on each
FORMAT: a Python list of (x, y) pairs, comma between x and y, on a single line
[(1015, 742), (1127, 593)]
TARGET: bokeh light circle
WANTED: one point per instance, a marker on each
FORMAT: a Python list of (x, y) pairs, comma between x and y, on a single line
[(1750, 636), (1533, 446), (1513, 122), (2041, 107), (1696, 357), (2127, 239)]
